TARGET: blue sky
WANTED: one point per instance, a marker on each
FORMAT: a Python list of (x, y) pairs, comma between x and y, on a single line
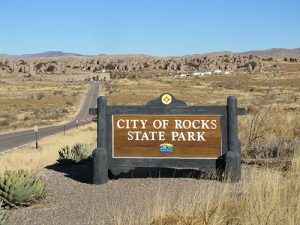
[(155, 27)]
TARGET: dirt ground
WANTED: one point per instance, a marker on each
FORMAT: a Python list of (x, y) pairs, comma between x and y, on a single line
[(73, 200), (26, 102), (282, 83)]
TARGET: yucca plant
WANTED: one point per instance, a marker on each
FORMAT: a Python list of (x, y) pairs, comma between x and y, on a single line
[(19, 188), (83, 151), (75, 154), (3, 215), (66, 153)]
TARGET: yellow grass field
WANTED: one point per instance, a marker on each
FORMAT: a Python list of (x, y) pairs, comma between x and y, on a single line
[(262, 197), (31, 159), (270, 130), (25, 103)]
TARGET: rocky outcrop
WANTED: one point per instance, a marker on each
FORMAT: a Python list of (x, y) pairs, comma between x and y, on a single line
[(129, 63)]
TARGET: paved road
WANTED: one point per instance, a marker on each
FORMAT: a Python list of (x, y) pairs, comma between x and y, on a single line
[(12, 140)]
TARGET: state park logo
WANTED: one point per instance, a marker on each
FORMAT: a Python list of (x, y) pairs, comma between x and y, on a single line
[(166, 148)]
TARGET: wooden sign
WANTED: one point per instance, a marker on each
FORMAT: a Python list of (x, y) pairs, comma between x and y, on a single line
[(166, 136), (167, 133)]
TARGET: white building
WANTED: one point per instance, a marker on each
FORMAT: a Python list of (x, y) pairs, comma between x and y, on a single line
[(218, 71)]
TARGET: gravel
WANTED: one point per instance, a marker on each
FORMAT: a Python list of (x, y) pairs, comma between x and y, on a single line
[(128, 198)]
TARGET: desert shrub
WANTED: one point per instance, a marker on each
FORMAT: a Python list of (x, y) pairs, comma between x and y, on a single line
[(58, 92), (39, 96), (4, 123), (22, 62), (110, 66), (51, 68), (19, 188), (39, 65), (69, 103), (3, 215), (74, 154), (64, 110), (268, 133)]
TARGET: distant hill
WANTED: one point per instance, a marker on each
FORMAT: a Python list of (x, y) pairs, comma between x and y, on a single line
[(49, 54), (275, 53)]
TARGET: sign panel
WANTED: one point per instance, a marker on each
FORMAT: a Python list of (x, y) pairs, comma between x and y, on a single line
[(166, 136), (35, 128)]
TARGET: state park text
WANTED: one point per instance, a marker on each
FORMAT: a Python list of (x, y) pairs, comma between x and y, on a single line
[(143, 135), (134, 126)]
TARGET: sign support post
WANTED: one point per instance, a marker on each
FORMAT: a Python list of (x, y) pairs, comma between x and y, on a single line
[(233, 156), (36, 129), (100, 157)]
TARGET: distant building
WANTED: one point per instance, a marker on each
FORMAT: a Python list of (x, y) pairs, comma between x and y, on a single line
[(218, 71), (103, 76)]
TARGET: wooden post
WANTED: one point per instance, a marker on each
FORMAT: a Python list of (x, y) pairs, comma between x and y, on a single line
[(36, 140), (100, 166), (233, 156), (100, 157)]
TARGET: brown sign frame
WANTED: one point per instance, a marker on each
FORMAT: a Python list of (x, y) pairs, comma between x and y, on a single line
[(229, 162)]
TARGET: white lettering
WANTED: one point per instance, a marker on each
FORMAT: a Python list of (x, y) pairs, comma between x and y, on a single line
[(144, 122), (200, 136), (178, 124), (165, 123), (118, 124), (191, 136), (157, 124), (129, 136), (204, 124), (213, 124)]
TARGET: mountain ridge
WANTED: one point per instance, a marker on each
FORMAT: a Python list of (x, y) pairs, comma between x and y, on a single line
[(275, 53)]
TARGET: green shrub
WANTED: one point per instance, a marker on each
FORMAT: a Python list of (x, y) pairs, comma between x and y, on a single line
[(3, 215), (110, 66), (51, 68), (19, 188), (39, 65), (75, 154)]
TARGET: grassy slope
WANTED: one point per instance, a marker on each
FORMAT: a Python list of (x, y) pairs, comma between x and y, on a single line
[(28, 103), (31, 159)]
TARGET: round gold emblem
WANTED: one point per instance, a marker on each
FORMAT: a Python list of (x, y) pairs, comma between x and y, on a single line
[(166, 99)]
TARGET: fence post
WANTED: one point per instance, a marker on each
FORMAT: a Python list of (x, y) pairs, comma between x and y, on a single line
[(100, 157), (233, 156), (36, 140)]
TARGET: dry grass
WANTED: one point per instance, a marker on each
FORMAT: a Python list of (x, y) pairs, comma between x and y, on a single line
[(28, 103), (268, 97), (31, 159), (263, 196), (271, 129), (284, 85)]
